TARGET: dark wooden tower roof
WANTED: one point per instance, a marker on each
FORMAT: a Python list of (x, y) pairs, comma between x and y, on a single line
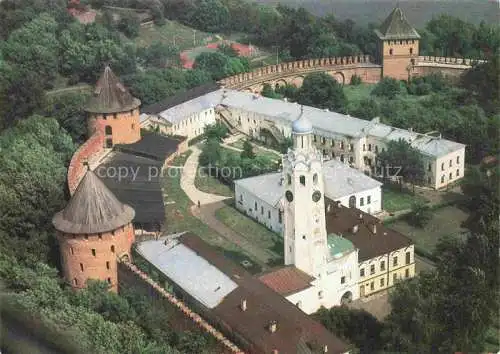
[(92, 209), (111, 96), (396, 26)]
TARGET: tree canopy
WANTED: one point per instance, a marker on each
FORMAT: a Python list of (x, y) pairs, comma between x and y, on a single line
[(323, 91)]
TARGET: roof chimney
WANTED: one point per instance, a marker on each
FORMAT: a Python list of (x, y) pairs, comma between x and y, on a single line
[(355, 229), (325, 349), (285, 99), (329, 208), (243, 305), (273, 326), (360, 216), (374, 228)]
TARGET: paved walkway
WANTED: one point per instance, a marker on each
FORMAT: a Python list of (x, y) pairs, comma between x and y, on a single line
[(188, 176)]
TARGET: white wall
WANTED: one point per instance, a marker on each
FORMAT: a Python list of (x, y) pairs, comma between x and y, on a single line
[(372, 200), (195, 124), (447, 165)]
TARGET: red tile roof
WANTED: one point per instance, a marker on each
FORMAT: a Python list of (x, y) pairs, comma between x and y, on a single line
[(287, 280)]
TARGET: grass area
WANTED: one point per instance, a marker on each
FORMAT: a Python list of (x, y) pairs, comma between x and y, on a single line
[(179, 218), (358, 92), (212, 185), (393, 200), (258, 151), (252, 231), (445, 221), (184, 36)]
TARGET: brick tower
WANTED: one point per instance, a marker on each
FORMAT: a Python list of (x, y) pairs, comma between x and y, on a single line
[(397, 46), (93, 230), (113, 109)]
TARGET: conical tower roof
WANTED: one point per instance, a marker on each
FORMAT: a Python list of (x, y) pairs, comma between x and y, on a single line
[(111, 96), (396, 26), (92, 209)]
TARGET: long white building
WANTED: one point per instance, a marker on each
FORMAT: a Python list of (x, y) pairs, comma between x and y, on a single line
[(353, 141)]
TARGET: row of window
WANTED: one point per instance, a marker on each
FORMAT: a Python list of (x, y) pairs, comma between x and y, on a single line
[(450, 164), (75, 281), (332, 143), (100, 235), (82, 268), (111, 248), (382, 265), (391, 51), (450, 176), (406, 41), (280, 214), (394, 279), (114, 115), (186, 121)]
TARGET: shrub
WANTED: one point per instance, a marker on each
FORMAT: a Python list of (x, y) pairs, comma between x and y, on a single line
[(356, 80)]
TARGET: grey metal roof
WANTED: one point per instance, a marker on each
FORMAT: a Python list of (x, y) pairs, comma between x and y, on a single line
[(324, 122), (340, 181), (187, 269), (93, 209)]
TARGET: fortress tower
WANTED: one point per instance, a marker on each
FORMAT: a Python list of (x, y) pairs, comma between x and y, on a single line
[(305, 235), (397, 46), (93, 230), (113, 109)]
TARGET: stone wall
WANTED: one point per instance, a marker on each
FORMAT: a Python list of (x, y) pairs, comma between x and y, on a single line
[(118, 128), (94, 256), (183, 318), (90, 151)]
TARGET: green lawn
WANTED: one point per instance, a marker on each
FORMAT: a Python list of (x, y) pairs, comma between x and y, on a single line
[(258, 151), (179, 218), (445, 221), (252, 231), (184, 35), (394, 200), (212, 185)]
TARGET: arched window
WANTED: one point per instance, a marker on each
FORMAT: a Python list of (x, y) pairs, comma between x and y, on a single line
[(411, 50), (352, 202), (302, 180), (289, 179), (442, 179), (391, 51), (315, 178), (108, 130), (113, 248)]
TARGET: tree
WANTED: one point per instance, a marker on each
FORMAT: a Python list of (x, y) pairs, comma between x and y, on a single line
[(400, 159), (482, 83), (247, 150), (210, 16), (356, 80), (268, 91), (217, 64), (388, 88), (227, 49), (322, 91), (420, 215), (159, 55), (367, 108), (129, 24), (217, 131)]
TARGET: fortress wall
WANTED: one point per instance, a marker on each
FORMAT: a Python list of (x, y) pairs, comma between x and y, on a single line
[(89, 152)]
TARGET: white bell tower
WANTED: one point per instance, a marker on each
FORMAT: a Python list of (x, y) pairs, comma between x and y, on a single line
[(305, 237)]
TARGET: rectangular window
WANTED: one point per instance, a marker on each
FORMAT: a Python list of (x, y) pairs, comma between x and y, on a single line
[(107, 265), (109, 280), (323, 140), (314, 138), (113, 248), (269, 214), (395, 261), (369, 199), (372, 285), (100, 236), (458, 160), (361, 201), (342, 280), (333, 142), (93, 252), (75, 281), (451, 163), (458, 173), (394, 277), (382, 266), (81, 267), (72, 252), (364, 147), (262, 210), (407, 257), (369, 147), (382, 282), (280, 217), (372, 269), (362, 272), (255, 206), (429, 168), (407, 273)]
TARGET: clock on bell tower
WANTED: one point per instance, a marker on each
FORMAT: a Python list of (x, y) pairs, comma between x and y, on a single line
[(304, 233)]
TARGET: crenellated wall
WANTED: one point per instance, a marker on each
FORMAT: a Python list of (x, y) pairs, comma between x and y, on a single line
[(341, 68), (91, 151), (283, 70)]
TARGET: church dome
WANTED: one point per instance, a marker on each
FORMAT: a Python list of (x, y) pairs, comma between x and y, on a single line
[(302, 125)]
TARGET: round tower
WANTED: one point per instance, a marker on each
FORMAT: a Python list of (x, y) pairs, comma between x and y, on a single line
[(93, 230), (114, 110)]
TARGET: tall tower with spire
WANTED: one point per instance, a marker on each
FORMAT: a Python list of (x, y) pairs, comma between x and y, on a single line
[(113, 109), (398, 45), (93, 230), (305, 235)]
